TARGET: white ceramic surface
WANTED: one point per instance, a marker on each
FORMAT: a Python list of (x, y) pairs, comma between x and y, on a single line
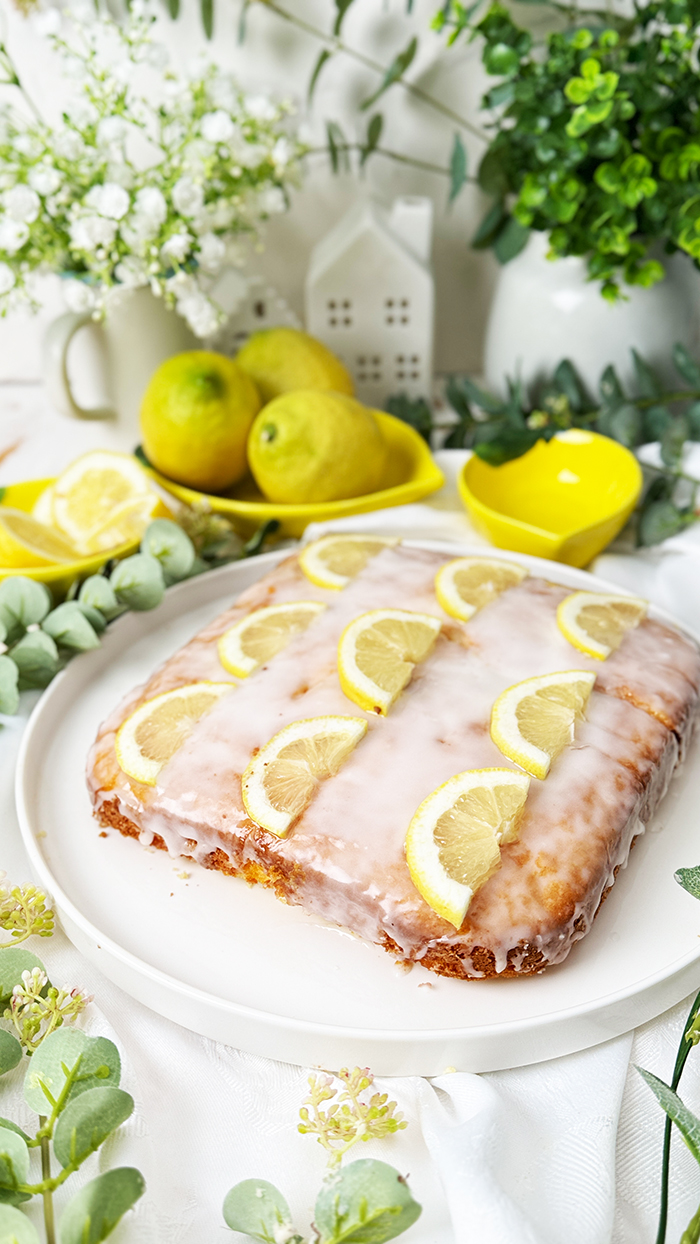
[(235, 964)]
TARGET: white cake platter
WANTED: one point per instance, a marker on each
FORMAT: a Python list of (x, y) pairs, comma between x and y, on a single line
[(233, 963)]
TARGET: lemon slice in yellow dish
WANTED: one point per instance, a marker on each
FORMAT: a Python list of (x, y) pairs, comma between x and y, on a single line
[(102, 500), (453, 842), (24, 542), (595, 622), (148, 739), (281, 780), (533, 721), (263, 633), (468, 583), (378, 652), (333, 561)]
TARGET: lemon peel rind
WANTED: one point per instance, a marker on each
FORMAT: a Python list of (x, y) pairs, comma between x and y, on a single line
[(231, 655), (446, 592), (323, 576), (96, 459), (125, 745), (449, 898), (576, 635), (253, 795), (357, 686), (504, 724)]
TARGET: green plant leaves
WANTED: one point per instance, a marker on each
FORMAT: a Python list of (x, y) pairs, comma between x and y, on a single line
[(14, 960), (138, 582), (365, 1202), (88, 1120), (257, 1208), (95, 1211), (689, 879), (511, 239), (458, 167), (97, 593), (9, 692), (15, 1227), (170, 546), (374, 133), (687, 367), (499, 445), (206, 10), (659, 521), (14, 1160), (97, 1060), (396, 70), (23, 603), (36, 658), (686, 1122), (337, 147), (10, 1052), (70, 628), (413, 411)]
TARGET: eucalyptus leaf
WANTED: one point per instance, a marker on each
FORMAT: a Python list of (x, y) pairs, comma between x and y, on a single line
[(492, 175), (257, 1208), (14, 1160), (394, 73), (413, 411), (659, 521), (97, 1060), (687, 366), (647, 381), (94, 1212), (673, 440), (459, 398), (692, 414), (94, 617), (511, 239), (9, 693), (458, 167), (88, 1120), (10, 1052), (138, 582), (611, 390), (568, 382), (98, 593), (70, 628), (14, 960), (366, 1202), (15, 1227), (689, 879), (485, 401), (23, 602), (171, 546), (14, 1127), (627, 426), (36, 658), (656, 421), (500, 445), (490, 226), (687, 1123)]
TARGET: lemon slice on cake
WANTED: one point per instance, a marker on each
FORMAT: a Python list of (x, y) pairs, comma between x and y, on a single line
[(149, 738), (263, 633), (280, 782), (453, 844), (467, 584), (25, 542), (533, 721), (378, 652), (102, 500), (596, 622), (333, 561)]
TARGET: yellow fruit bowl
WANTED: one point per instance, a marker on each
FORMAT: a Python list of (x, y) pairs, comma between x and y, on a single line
[(564, 499), (61, 575), (411, 473)]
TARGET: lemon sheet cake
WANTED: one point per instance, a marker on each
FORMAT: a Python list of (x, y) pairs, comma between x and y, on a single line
[(429, 755)]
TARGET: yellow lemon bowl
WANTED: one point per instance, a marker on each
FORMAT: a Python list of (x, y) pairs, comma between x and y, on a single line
[(411, 473), (565, 499), (62, 575)]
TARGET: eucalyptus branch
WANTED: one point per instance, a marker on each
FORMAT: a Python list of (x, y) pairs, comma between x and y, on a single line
[(397, 156), (47, 1195), (336, 44)]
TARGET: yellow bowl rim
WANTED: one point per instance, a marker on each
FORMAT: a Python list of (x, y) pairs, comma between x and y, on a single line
[(556, 538)]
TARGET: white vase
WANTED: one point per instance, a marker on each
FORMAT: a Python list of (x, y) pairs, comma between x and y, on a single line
[(546, 310), (137, 334)]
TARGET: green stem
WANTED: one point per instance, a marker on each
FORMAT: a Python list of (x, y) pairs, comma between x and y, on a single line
[(691, 1235), (678, 395), (47, 1195), (337, 45), (389, 155), (681, 1057)]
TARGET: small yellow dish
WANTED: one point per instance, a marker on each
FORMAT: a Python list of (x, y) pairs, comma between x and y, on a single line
[(411, 473), (565, 499), (60, 576)]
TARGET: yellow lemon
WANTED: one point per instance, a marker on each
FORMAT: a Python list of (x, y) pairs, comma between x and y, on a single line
[(378, 653), (101, 500), (333, 561), (596, 623), (467, 584), (533, 721), (149, 738), (259, 636), (281, 359), (195, 418), (311, 446), (25, 542), (453, 842)]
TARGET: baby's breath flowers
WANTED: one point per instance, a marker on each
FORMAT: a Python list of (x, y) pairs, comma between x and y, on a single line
[(151, 179)]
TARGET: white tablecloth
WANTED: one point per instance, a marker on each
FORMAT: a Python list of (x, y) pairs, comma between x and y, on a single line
[(565, 1150)]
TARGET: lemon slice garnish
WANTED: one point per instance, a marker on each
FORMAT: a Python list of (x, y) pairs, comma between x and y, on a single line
[(102, 500), (378, 652), (453, 842), (468, 583), (281, 780), (42, 509), (24, 542), (149, 738), (262, 634), (533, 721), (333, 561), (596, 623)]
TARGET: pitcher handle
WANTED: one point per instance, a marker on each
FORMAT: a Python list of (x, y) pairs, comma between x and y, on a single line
[(56, 342)]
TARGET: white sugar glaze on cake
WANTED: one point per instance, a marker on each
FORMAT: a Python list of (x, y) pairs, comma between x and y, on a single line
[(344, 858)]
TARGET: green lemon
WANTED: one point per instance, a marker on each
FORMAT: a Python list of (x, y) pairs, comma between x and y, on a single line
[(312, 446), (279, 360), (195, 418)]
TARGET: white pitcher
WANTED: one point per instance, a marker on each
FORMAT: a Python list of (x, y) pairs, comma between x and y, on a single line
[(137, 334)]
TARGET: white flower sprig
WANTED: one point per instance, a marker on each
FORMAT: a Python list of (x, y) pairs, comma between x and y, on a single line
[(151, 179)]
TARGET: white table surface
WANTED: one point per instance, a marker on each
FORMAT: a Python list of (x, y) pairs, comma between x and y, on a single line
[(567, 1150)]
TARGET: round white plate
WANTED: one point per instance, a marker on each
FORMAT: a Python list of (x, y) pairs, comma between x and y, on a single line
[(234, 964)]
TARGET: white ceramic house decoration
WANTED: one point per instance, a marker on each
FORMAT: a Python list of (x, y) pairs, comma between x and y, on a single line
[(370, 296), (251, 305)]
